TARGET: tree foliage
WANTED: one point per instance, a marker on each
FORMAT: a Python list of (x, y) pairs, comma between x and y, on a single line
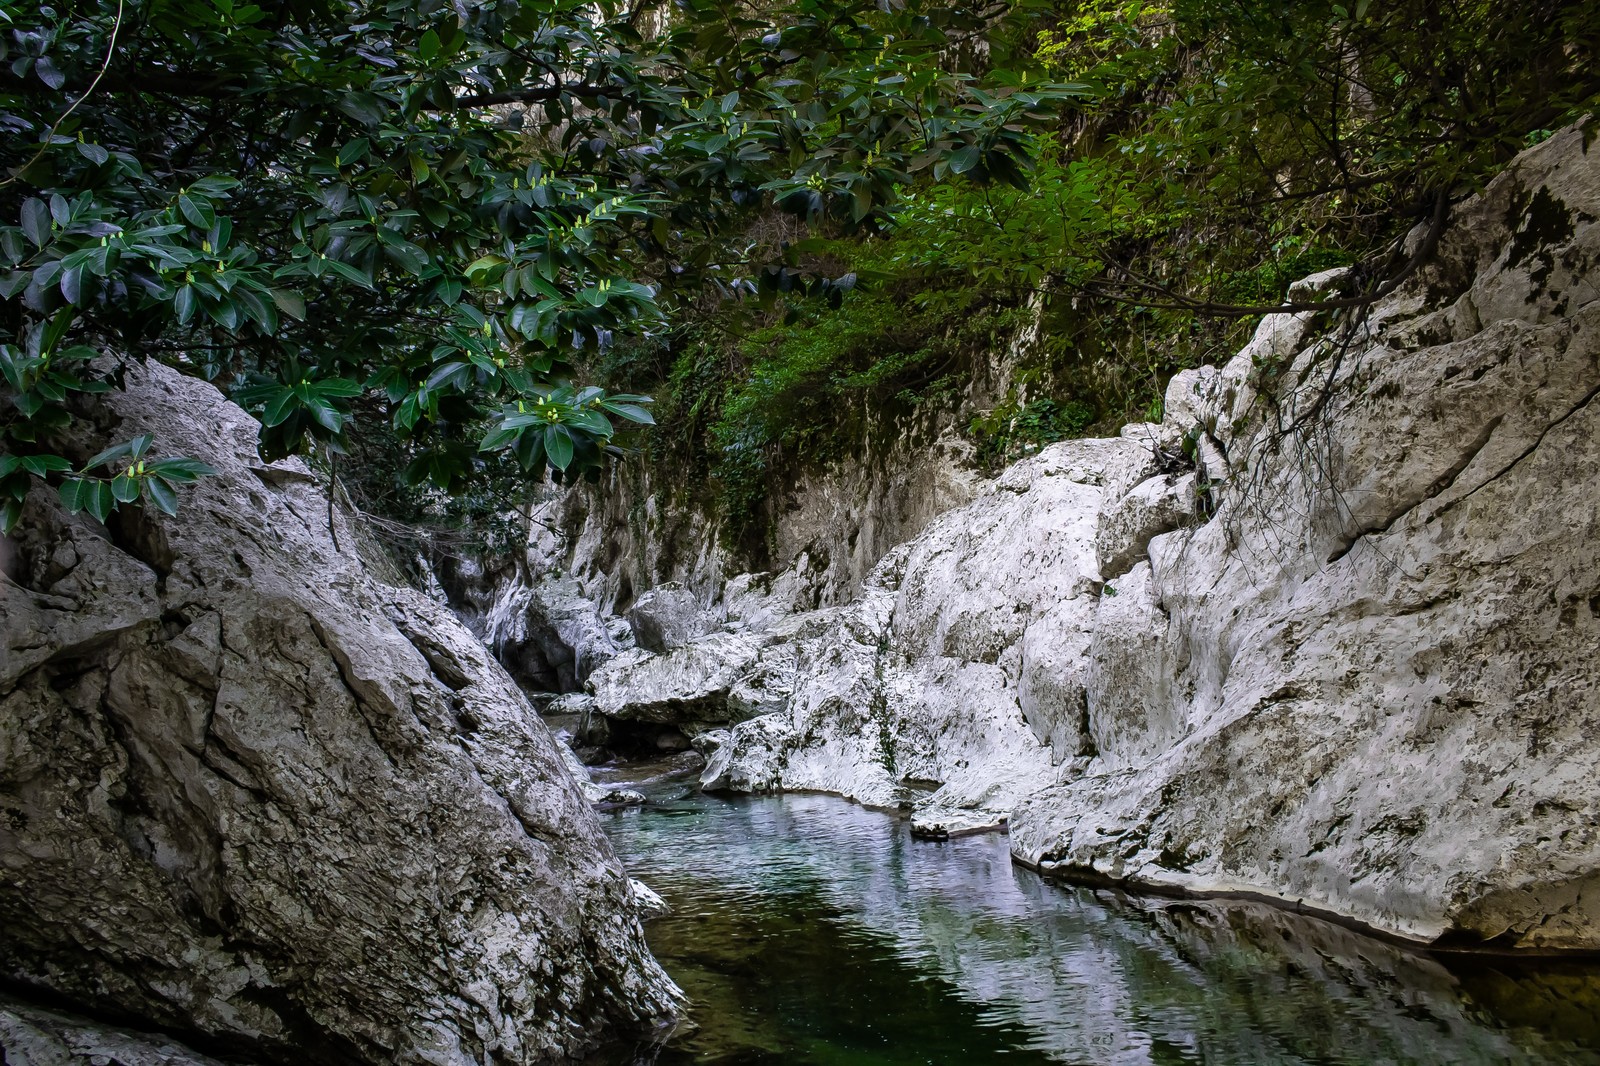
[(1227, 149), (437, 205)]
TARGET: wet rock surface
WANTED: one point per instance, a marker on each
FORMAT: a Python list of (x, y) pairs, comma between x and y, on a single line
[(249, 792)]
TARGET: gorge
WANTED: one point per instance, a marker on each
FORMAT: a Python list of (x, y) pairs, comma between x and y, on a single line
[(979, 654), (1130, 666)]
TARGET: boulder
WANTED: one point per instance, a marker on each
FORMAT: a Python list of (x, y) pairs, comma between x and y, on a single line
[(250, 793), (668, 617), (687, 685)]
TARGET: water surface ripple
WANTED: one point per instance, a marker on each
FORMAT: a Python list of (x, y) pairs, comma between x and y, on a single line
[(812, 931)]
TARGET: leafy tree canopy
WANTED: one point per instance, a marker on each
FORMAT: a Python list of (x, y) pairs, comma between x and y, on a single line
[(421, 211), (1229, 148)]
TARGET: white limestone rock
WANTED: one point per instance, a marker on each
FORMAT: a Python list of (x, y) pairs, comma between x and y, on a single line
[(668, 617), (1362, 678), (689, 684), (547, 634), (647, 901), (1154, 506), (909, 696), (251, 793), (1369, 684), (939, 823)]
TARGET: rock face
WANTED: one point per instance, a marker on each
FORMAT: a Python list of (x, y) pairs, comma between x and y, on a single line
[(250, 793), (667, 617), (30, 1036), (1370, 682), (910, 696), (549, 637), (640, 530), (1347, 659)]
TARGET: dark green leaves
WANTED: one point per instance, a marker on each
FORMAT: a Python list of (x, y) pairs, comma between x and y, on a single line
[(121, 474), (562, 425), (558, 446), (305, 405), (450, 205), (36, 221), (81, 494)]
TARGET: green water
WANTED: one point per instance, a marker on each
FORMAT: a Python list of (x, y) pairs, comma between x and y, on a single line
[(811, 931)]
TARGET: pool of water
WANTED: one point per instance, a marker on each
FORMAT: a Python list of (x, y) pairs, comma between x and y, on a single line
[(811, 931)]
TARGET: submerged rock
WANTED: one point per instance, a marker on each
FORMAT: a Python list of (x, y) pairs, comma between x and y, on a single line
[(648, 902), (248, 792), (1347, 660)]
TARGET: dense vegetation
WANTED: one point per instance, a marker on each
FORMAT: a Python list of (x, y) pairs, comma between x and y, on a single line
[(407, 219), (1225, 150), (436, 233)]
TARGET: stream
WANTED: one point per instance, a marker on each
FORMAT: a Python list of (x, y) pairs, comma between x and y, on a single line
[(808, 930)]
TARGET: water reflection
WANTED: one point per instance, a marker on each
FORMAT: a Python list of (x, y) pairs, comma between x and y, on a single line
[(809, 931)]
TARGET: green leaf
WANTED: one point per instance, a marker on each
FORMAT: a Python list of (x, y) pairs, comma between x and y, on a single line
[(162, 494), (965, 159), (75, 493), (36, 221), (558, 446), (479, 268), (124, 489), (279, 408), (354, 150), (135, 448), (40, 465), (72, 284), (99, 500), (198, 212), (290, 303), (632, 412), (179, 470), (336, 388), (590, 421), (326, 415), (349, 273), (184, 303), (215, 185), (499, 437)]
